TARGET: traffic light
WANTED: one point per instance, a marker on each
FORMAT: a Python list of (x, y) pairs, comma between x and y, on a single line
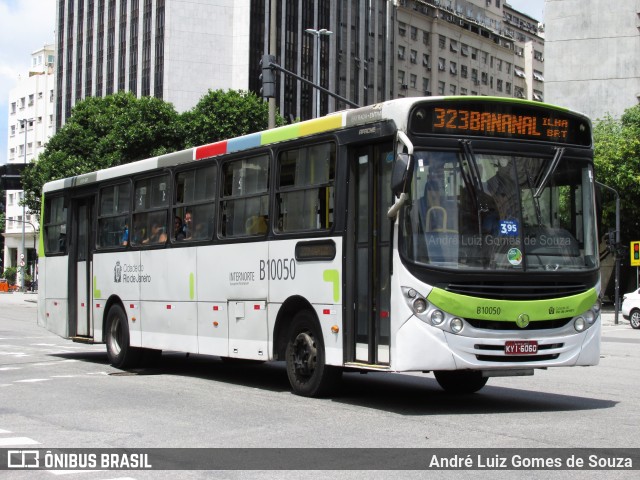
[(635, 254), (268, 77)]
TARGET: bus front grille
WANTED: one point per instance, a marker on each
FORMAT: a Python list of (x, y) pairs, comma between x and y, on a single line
[(516, 291), (508, 326)]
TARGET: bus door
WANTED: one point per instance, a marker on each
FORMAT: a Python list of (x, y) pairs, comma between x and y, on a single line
[(368, 268), (80, 266)]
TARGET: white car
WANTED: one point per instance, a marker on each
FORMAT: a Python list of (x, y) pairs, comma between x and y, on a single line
[(631, 308)]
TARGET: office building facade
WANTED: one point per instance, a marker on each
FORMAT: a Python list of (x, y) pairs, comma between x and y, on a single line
[(369, 51), (30, 122), (601, 75)]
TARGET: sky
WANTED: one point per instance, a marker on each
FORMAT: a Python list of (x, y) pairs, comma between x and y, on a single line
[(27, 25), (533, 8)]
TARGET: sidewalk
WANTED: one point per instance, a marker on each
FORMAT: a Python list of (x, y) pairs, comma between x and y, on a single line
[(18, 298)]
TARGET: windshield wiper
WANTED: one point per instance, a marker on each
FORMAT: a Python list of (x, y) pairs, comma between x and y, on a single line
[(472, 179), (552, 168)]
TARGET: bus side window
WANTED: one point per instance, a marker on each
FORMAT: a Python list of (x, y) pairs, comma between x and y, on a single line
[(245, 197), (150, 217), (305, 188), (194, 203), (113, 216), (55, 225)]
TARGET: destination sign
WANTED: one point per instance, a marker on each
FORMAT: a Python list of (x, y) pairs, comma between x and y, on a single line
[(501, 119)]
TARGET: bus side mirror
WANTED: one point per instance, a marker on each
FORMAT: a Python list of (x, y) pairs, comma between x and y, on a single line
[(401, 173)]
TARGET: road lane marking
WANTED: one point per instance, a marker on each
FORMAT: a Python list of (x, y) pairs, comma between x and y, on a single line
[(16, 441), (32, 380)]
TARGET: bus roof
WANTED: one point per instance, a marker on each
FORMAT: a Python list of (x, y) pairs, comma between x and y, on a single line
[(396, 110)]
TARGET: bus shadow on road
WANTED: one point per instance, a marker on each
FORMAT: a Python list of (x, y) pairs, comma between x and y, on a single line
[(421, 395), (390, 392)]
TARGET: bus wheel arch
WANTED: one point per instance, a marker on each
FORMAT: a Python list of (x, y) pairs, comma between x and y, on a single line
[(305, 354), (116, 335), (286, 314)]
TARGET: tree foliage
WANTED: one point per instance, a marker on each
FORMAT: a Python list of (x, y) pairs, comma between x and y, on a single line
[(617, 165), (220, 115), (104, 132)]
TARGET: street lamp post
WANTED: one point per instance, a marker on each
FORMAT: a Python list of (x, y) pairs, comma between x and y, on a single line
[(24, 211), (316, 34)]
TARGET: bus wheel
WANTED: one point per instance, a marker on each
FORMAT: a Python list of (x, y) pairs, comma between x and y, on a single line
[(308, 374), (460, 381), (120, 353), (635, 319)]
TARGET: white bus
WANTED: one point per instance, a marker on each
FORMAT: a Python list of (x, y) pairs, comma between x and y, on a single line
[(453, 235)]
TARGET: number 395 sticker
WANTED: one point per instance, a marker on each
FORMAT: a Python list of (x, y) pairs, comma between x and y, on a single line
[(508, 227)]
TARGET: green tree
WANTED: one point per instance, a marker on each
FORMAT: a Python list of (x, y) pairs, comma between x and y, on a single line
[(617, 165), (104, 132), (220, 115)]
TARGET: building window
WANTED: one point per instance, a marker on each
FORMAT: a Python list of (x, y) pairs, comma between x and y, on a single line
[(452, 89), (464, 50), (414, 56), (453, 68), (442, 64), (453, 46), (414, 33), (425, 86), (441, 88), (442, 41), (413, 80), (463, 91), (507, 88), (402, 29), (474, 53), (499, 85), (463, 71), (401, 50), (425, 37), (401, 77)]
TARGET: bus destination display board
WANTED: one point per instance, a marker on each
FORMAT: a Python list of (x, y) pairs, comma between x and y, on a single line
[(503, 120)]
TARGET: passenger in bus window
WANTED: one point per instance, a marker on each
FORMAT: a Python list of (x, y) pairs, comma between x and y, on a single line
[(178, 229), (158, 235), (124, 240), (188, 225)]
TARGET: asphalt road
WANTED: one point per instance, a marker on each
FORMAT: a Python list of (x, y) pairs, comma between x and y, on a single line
[(59, 394)]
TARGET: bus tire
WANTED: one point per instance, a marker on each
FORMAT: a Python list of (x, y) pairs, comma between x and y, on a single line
[(308, 373), (460, 381), (119, 351)]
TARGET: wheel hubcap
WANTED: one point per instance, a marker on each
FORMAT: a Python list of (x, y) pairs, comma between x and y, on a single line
[(304, 354)]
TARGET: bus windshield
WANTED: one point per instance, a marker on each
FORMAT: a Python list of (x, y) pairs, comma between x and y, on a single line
[(495, 211)]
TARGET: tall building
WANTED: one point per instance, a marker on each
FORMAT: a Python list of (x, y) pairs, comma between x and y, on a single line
[(31, 111), (467, 48), (171, 49), (592, 55), (364, 51)]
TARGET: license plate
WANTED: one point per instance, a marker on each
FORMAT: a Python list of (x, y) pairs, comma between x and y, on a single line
[(521, 347)]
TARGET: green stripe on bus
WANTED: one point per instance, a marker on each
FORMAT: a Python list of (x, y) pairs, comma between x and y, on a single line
[(192, 286), (509, 310), (281, 134), (41, 233), (333, 276), (96, 293)]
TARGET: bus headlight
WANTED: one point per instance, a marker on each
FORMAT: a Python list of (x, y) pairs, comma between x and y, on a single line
[(437, 317), (456, 325), (579, 324), (419, 305), (596, 307), (589, 316)]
